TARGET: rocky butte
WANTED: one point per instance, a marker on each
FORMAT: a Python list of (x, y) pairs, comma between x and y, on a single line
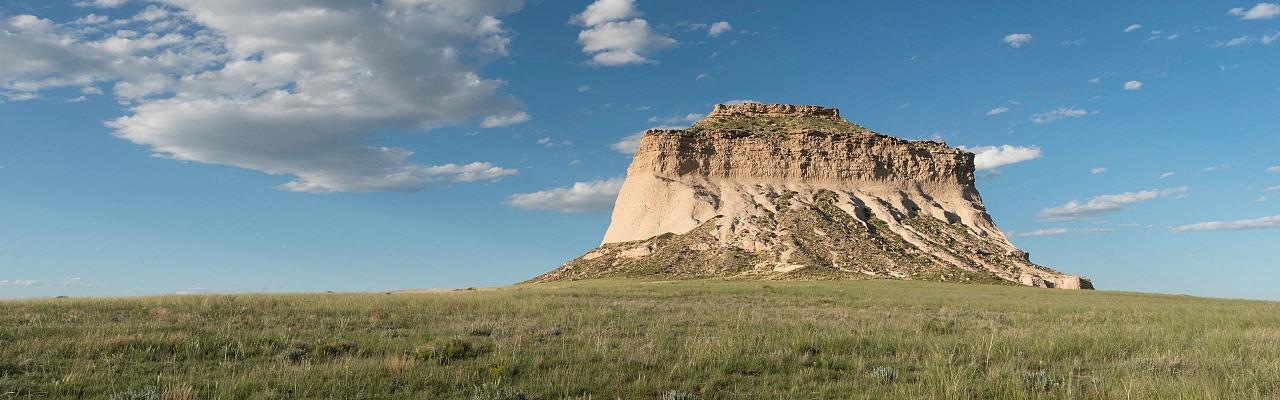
[(779, 191)]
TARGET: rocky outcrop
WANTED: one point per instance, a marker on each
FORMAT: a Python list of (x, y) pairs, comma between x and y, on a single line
[(790, 191)]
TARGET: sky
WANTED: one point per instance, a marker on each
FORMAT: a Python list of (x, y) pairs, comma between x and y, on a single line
[(212, 146)]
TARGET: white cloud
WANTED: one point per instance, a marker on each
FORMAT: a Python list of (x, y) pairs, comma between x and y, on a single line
[(584, 88), (1104, 204), (1132, 28), (1016, 40), (603, 11), (719, 28), (1216, 168), (1268, 38), (494, 121), (1095, 81), (992, 157), (1044, 232), (1062, 231), (676, 119), (614, 40), (1097, 170), (1166, 175), (702, 77), (101, 3), (1256, 223), (77, 282), (1242, 40), (1132, 85), (998, 111), (629, 144), (1060, 113), (594, 196), (19, 282), (1259, 11), (288, 88), (1273, 170), (1270, 189)]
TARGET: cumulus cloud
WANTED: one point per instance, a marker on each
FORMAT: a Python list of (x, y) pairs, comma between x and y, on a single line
[(1243, 224), (614, 35), (1060, 113), (992, 157), (1132, 28), (1132, 85), (628, 144), (719, 28), (582, 197), (1105, 204), (1017, 40), (1259, 11), (1273, 170), (287, 88), (998, 111)]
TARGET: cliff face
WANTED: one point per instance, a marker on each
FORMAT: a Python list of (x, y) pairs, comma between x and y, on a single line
[(786, 191)]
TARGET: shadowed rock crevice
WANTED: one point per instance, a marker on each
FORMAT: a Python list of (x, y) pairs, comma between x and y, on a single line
[(779, 191)]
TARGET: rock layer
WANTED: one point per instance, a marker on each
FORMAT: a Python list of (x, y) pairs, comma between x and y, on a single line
[(789, 191)]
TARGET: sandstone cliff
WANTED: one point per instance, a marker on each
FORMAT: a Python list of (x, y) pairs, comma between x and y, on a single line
[(786, 191)]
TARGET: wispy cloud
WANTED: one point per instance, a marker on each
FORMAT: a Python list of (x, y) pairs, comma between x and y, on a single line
[(1017, 40), (582, 197), (1060, 113), (1132, 85), (1243, 224), (998, 110), (19, 282), (1132, 28), (1062, 231), (1097, 170), (1105, 204), (1273, 170), (1166, 175)]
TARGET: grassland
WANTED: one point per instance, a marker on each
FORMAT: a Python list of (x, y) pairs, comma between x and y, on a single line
[(646, 340)]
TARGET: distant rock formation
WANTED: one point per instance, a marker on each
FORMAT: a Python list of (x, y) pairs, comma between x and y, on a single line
[(796, 192)]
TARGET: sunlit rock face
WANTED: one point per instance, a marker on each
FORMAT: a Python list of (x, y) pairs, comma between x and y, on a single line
[(796, 192)]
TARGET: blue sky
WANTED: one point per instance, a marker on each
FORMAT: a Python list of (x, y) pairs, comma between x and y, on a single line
[(309, 145)]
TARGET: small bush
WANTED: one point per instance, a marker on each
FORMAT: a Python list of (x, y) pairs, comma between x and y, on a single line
[(497, 391), (146, 393), (884, 374), (1038, 381), (334, 349), (939, 326), (450, 350)]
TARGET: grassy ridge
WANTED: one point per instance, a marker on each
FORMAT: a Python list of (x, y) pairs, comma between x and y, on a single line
[(646, 340)]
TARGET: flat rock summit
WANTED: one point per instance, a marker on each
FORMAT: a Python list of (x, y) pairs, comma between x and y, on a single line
[(779, 191)]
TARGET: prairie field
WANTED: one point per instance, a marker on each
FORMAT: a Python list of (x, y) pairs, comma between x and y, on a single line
[(631, 339)]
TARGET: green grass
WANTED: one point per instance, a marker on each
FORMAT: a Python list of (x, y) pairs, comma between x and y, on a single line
[(646, 340)]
